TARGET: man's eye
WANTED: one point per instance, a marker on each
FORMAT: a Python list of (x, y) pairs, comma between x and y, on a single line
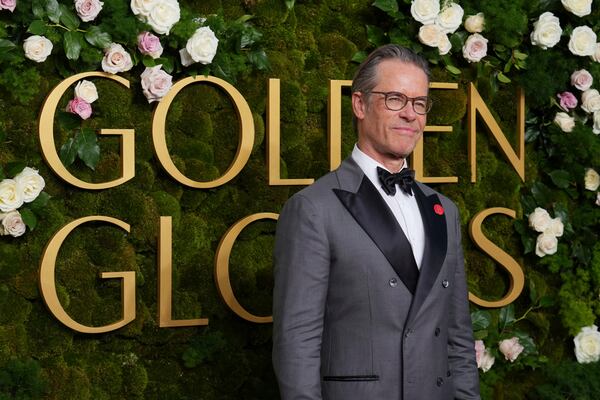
[(395, 99)]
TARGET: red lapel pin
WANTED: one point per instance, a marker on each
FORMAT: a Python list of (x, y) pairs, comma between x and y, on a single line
[(438, 209)]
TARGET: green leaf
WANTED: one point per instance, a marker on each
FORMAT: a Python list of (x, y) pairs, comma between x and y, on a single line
[(87, 147), (39, 203), (289, 4), (68, 152), (29, 218), (97, 38), (37, 27), (68, 18), (389, 6), (375, 35), (519, 56), (453, 70), (503, 78), (547, 301), (53, 11), (507, 316), (259, 59), (480, 335), (531, 133), (149, 62), (15, 168), (6, 45), (37, 8), (72, 43), (560, 178), (68, 121), (541, 193), (359, 56), (481, 319)]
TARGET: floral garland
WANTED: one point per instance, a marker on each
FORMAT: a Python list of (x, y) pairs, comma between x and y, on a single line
[(24, 189)]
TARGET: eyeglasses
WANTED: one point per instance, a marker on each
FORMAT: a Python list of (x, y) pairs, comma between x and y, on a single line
[(396, 101)]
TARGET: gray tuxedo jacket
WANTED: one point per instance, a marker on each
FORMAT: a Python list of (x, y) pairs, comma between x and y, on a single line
[(353, 317)]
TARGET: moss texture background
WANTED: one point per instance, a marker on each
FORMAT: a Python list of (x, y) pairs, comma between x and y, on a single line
[(230, 358)]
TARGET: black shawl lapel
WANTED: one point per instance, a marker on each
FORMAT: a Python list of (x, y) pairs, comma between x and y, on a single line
[(374, 216), (436, 245)]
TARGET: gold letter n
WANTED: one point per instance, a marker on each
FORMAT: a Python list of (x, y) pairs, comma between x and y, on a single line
[(476, 104)]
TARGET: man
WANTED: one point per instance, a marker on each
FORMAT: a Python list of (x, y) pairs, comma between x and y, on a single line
[(370, 298)]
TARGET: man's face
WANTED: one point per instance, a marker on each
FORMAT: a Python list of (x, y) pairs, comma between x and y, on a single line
[(390, 136)]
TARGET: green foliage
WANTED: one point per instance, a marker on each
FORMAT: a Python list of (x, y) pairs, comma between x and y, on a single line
[(569, 380), (21, 380)]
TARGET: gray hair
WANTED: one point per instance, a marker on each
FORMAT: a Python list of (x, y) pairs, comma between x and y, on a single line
[(365, 78)]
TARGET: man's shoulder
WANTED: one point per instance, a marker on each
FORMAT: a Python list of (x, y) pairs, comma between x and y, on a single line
[(320, 189)]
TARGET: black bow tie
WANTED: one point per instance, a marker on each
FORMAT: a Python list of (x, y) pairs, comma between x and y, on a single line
[(404, 179)]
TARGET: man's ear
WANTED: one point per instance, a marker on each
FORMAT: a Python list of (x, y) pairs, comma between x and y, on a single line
[(359, 105)]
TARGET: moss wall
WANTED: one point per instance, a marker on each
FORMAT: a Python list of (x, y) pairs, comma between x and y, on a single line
[(230, 358)]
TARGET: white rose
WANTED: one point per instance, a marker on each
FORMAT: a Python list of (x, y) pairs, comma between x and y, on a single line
[(444, 45), (596, 55), (202, 46), (425, 11), (582, 79), (163, 16), (87, 91), (583, 41), (539, 219), (475, 48), (591, 179), (12, 224), (555, 228), (546, 31), (587, 345), (10, 196), (475, 23), (596, 127), (142, 8), (186, 59), (430, 35), (155, 83), (30, 184), (88, 10), (37, 48), (546, 244), (116, 59), (590, 101), (564, 121), (450, 18), (580, 8)]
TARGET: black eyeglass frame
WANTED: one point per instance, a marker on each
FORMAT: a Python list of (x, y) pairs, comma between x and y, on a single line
[(428, 101)]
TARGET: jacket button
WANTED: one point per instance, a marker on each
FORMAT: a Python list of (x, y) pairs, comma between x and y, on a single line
[(449, 374), (440, 381), (393, 282), (437, 332), (407, 333), (445, 283)]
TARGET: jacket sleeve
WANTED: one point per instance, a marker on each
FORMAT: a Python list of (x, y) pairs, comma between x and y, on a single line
[(301, 273), (461, 346)]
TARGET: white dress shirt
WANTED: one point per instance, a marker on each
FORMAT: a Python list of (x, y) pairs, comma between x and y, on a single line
[(403, 206)]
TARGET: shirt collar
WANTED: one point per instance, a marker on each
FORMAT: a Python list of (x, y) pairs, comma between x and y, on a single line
[(369, 165)]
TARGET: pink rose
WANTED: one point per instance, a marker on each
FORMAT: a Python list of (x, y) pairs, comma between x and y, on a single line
[(116, 59), (582, 79), (149, 44), (8, 5), (511, 348), (475, 48), (87, 10), (80, 107), (567, 100), (484, 357), (155, 83)]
